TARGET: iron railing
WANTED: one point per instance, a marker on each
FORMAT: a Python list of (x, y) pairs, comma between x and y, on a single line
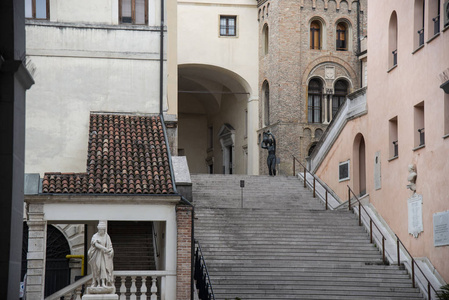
[(360, 205), (422, 140), (421, 37), (201, 275), (371, 222), (429, 285), (395, 149), (313, 184), (436, 25)]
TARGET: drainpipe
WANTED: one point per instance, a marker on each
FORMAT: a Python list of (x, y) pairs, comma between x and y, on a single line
[(161, 67), (358, 42)]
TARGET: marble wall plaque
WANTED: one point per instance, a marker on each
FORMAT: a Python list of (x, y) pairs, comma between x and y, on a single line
[(415, 225), (377, 174), (441, 229)]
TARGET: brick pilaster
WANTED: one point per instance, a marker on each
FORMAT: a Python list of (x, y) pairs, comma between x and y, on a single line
[(184, 253)]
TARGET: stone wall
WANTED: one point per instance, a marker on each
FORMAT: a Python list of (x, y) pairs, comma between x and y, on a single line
[(289, 64)]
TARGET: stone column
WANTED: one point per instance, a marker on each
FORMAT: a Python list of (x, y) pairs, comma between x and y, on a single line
[(37, 247), (325, 100), (253, 125)]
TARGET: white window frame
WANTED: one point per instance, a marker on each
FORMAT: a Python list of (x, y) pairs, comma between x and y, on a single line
[(349, 171)]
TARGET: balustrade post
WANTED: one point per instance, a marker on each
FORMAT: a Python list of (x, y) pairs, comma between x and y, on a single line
[(326, 199), (143, 289), (133, 288), (413, 272), (153, 288), (314, 193), (428, 290), (123, 288), (371, 230), (399, 254), (78, 293), (305, 185), (383, 249)]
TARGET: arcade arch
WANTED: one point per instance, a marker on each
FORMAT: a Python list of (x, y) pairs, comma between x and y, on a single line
[(212, 104)]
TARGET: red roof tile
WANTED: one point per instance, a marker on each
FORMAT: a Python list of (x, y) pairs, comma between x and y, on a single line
[(126, 155)]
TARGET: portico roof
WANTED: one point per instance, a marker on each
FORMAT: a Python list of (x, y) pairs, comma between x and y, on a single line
[(127, 154)]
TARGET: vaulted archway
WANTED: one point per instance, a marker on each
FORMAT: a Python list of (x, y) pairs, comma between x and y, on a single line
[(209, 99)]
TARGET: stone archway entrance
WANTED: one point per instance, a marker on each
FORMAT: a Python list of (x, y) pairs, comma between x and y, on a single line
[(359, 170), (211, 98), (57, 270)]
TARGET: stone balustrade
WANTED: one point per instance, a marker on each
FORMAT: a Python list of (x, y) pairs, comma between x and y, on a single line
[(134, 285)]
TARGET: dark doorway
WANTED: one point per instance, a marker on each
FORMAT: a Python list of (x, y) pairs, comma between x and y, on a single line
[(57, 271)]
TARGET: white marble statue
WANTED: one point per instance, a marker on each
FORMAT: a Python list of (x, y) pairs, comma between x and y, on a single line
[(411, 178), (100, 260)]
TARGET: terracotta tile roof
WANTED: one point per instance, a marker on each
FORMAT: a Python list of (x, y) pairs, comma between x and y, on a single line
[(127, 154)]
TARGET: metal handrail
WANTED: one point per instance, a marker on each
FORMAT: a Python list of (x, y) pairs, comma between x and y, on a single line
[(199, 255), (314, 181), (371, 222), (429, 285)]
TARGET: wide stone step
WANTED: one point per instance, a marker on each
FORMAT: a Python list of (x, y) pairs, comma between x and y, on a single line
[(284, 245)]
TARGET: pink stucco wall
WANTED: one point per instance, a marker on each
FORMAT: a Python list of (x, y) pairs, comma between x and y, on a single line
[(394, 94)]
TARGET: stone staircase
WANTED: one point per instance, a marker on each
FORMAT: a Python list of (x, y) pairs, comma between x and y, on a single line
[(283, 244)]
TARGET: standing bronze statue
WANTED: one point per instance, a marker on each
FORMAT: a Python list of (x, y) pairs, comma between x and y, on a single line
[(269, 143)]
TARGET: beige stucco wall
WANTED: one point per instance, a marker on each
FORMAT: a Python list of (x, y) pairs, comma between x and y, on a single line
[(88, 62), (391, 94), (200, 43)]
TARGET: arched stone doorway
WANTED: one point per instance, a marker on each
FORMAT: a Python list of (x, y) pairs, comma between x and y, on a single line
[(211, 98), (359, 169), (57, 270)]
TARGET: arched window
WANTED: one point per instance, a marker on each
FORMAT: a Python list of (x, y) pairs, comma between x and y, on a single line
[(418, 36), (339, 97), (315, 35), (314, 101), (265, 39), (393, 40), (342, 37), (266, 103)]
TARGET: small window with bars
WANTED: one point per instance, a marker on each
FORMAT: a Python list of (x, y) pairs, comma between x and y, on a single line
[(228, 25)]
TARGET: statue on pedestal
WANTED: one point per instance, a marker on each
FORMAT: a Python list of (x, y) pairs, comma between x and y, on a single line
[(100, 260), (269, 143)]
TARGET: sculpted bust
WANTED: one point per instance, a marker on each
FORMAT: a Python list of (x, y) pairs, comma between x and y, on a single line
[(411, 178), (100, 260)]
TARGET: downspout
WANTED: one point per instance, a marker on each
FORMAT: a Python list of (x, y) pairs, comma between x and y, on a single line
[(161, 60), (358, 43)]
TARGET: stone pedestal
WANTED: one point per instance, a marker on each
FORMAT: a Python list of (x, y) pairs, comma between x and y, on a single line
[(100, 297)]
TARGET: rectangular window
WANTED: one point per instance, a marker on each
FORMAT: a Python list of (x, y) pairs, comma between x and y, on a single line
[(393, 137), (37, 9), (419, 138), (314, 109), (228, 25), (343, 171), (133, 12)]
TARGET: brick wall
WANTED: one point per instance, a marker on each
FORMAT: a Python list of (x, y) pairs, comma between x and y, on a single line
[(290, 63), (184, 255)]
